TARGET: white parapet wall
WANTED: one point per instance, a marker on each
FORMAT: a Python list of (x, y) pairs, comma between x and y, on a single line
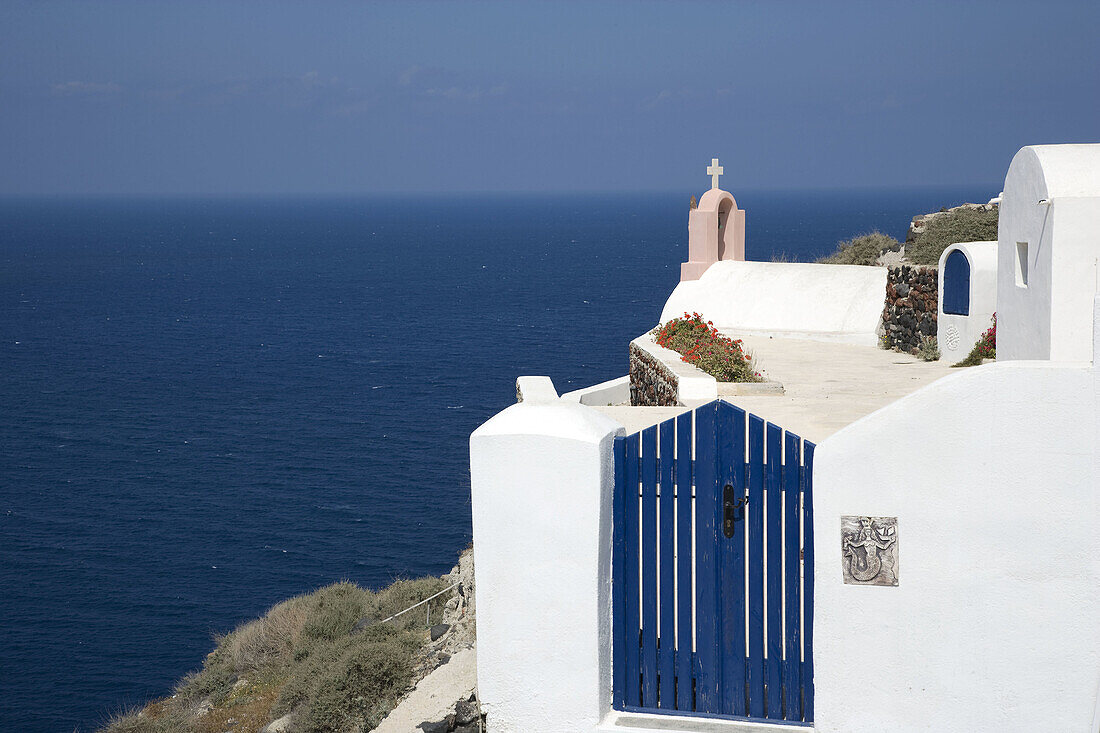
[(609, 393), (541, 478), (535, 389), (995, 622), (693, 386), (825, 302)]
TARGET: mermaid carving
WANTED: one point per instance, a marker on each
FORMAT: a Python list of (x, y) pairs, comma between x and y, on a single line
[(863, 548)]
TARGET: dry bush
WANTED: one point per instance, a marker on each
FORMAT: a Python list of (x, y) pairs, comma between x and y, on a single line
[(862, 250), (402, 594), (269, 641), (331, 612), (168, 720)]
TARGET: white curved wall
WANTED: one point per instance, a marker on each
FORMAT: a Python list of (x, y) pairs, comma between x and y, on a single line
[(1050, 318), (841, 302), (983, 301), (993, 626)]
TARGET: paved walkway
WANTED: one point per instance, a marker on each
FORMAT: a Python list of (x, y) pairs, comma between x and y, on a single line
[(435, 696), (831, 385), (827, 385)]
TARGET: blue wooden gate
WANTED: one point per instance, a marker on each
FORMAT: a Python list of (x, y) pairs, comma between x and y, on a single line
[(713, 614)]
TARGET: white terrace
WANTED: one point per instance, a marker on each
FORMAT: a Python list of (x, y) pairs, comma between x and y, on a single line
[(826, 385)]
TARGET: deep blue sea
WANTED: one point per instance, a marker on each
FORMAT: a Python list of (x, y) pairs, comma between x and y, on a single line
[(207, 406)]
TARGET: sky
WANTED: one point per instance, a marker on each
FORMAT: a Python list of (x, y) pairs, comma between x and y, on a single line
[(194, 97)]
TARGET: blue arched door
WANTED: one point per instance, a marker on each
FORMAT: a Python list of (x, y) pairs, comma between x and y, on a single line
[(956, 284)]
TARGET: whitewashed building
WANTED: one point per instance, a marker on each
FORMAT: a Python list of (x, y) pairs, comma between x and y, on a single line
[(889, 546), (1047, 252)]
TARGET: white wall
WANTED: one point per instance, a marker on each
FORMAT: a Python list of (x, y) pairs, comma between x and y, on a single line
[(833, 302), (995, 625), (541, 478), (1051, 317), (694, 387), (611, 392), (1076, 234), (535, 389), (983, 300)]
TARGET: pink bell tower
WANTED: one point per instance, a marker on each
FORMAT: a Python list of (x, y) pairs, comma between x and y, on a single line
[(716, 229)]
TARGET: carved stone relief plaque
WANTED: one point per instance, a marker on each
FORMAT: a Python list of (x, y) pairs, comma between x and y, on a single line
[(952, 338), (869, 550)]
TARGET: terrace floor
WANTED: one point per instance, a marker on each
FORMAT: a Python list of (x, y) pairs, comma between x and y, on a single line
[(827, 385)]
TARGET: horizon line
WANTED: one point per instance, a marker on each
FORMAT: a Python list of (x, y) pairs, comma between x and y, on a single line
[(440, 193)]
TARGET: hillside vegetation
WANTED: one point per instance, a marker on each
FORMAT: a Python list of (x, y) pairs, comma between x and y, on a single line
[(961, 224), (866, 249), (326, 657), (929, 235)]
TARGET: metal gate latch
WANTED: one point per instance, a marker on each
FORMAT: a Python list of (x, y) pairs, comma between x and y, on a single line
[(732, 511)]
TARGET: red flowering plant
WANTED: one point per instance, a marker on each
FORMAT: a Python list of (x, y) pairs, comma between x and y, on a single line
[(699, 344), (985, 348)]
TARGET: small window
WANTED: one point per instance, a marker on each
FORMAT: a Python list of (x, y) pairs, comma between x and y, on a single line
[(1021, 264), (956, 284)]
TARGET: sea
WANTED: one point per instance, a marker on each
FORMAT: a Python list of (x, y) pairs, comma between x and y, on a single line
[(210, 405)]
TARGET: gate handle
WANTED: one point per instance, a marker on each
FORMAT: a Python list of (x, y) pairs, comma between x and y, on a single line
[(732, 511)]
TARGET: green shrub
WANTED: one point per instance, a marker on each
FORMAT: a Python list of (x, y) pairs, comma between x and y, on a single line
[(960, 225), (862, 250), (401, 594), (362, 682), (929, 349), (700, 345), (299, 685), (333, 610), (214, 680)]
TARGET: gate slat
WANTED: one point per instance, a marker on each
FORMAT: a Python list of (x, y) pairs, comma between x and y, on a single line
[(739, 541), (685, 608), (706, 575), (666, 649), (756, 566), (631, 627), (731, 587), (649, 567), (808, 580), (774, 576), (618, 575), (792, 567)]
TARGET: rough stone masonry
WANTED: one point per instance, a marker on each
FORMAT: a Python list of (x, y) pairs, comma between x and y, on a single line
[(912, 304), (652, 384)]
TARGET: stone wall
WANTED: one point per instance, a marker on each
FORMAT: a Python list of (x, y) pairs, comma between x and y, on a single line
[(912, 302), (652, 384)]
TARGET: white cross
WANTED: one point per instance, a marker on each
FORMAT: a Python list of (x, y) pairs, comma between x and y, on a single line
[(714, 171)]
